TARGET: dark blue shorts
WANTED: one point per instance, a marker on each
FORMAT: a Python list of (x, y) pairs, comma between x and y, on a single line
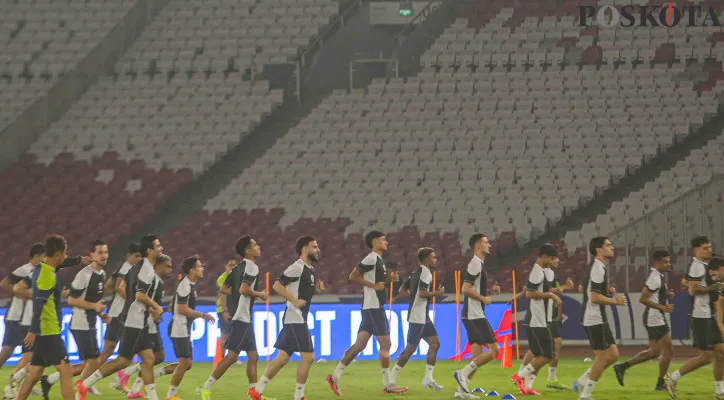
[(418, 332), (295, 338), (375, 322), (241, 337), (114, 330), (182, 347), (14, 334), (87, 344)]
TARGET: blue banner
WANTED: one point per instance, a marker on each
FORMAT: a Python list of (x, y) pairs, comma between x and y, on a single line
[(333, 327)]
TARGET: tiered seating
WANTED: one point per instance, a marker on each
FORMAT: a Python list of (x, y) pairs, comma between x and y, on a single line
[(41, 39)]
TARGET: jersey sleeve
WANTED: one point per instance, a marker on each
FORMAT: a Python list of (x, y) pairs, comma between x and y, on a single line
[(367, 264), (696, 272), (183, 293), (471, 273), (425, 281), (250, 273), (291, 274), (598, 280), (229, 281), (145, 279), (653, 283), (535, 278), (79, 284)]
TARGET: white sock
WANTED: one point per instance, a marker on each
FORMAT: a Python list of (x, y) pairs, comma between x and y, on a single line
[(20, 375), (522, 367), (251, 385), (527, 371), (137, 385), (53, 378), (151, 392), (428, 372), (552, 374), (132, 369), (719, 387), (529, 381), (385, 377), (468, 369), (210, 382), (160, 371), (676, 376), (588, 389), (261, 385), (584, 378), (91, 380), (395, 371), (299, 391), (338, 371), (171, 391)]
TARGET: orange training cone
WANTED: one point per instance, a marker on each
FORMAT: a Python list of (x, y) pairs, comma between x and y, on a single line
[(507, 360), (219, 353)]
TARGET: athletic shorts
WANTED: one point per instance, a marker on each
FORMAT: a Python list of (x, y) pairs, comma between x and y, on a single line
[(420, 331), (156, 342), (540, 342), (706, 333), (600, 336), (295, 338), (49, 351), (241, 338), (224, 325), (134, 341), (14, 334), (479, 331), (657, 332), (87, 344), (182, 347), (114, 330), (555, 328), (375, 322)]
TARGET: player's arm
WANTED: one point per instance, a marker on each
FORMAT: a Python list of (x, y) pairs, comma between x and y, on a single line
[(598, 290), (291, 274), (182, 305), (531, 288), (77, 287), (357, 277), (22, 290), (143, 286), (228, 283), (246, 281), (6, 285), (720, 313), (646, 300), (697, 288), (425, 289)]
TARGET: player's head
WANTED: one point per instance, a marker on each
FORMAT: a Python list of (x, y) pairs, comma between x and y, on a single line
[(307, 248), (98, 252), (230, 264), (247, 247), (193, 268), (479, 243), (376, 241), (716, 268), (662, 260), (702, 248), (427, 257), (133, 253), (163, 266), (601, 247), (150, 246), (547, 255), (56, 250), (37, 252)]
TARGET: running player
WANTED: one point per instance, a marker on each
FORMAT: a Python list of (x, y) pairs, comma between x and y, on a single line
[(221, 307), (421, 327), (704, 291), (142, 280), (184, 314), (297, 285), (480, 333), (372, 274), (536, 320), (595, 318), (242, 332), (44, 333), (654, 296)]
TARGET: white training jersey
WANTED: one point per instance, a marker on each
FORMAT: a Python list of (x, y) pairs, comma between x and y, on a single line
[(657, 286), (701, 306), (249, 272), (595, 314), (18, 306), (373, 270), (536, 316)]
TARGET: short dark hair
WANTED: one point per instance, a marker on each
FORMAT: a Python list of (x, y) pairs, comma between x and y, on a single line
[(596, 243), (242, 244), (547, 250), (95, 244), (133, 248), (699, 241), (54, 244), (303, 242), (36, 249), (371, 236), (715, 263), (147, 243), (162, 259), (660, 255), (424, 252), (474, 239), (189, 264)]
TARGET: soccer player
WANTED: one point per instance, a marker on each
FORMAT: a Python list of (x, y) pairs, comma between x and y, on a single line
[(86, 298), (297, 285), (654, 296), (44, 333), (141, 280), (480, 333), (536, 320), (242, 332), (595, 318), (372, 274), (221, 308), (704, 291), (421, 327)]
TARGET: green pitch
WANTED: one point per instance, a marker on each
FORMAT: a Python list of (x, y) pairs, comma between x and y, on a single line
[(362, 380)]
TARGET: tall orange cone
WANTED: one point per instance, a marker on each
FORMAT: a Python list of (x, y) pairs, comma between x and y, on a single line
[(219, 353), (507, 360)]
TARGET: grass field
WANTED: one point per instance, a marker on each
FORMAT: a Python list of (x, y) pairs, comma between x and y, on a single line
[(362, 380)]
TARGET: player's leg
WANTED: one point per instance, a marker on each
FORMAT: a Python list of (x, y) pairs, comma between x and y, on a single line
[(363, 337), (302, 374), (184, 354), (128, 348), (5, 353), (149, 379), (719, 370), (34, 374), (667, 353), (269, 373), (541, 345), (429, 381), (703, 340), (414, 335), (552, 381), (604, 359), (526, 360), (66, 380), (20, 372)]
